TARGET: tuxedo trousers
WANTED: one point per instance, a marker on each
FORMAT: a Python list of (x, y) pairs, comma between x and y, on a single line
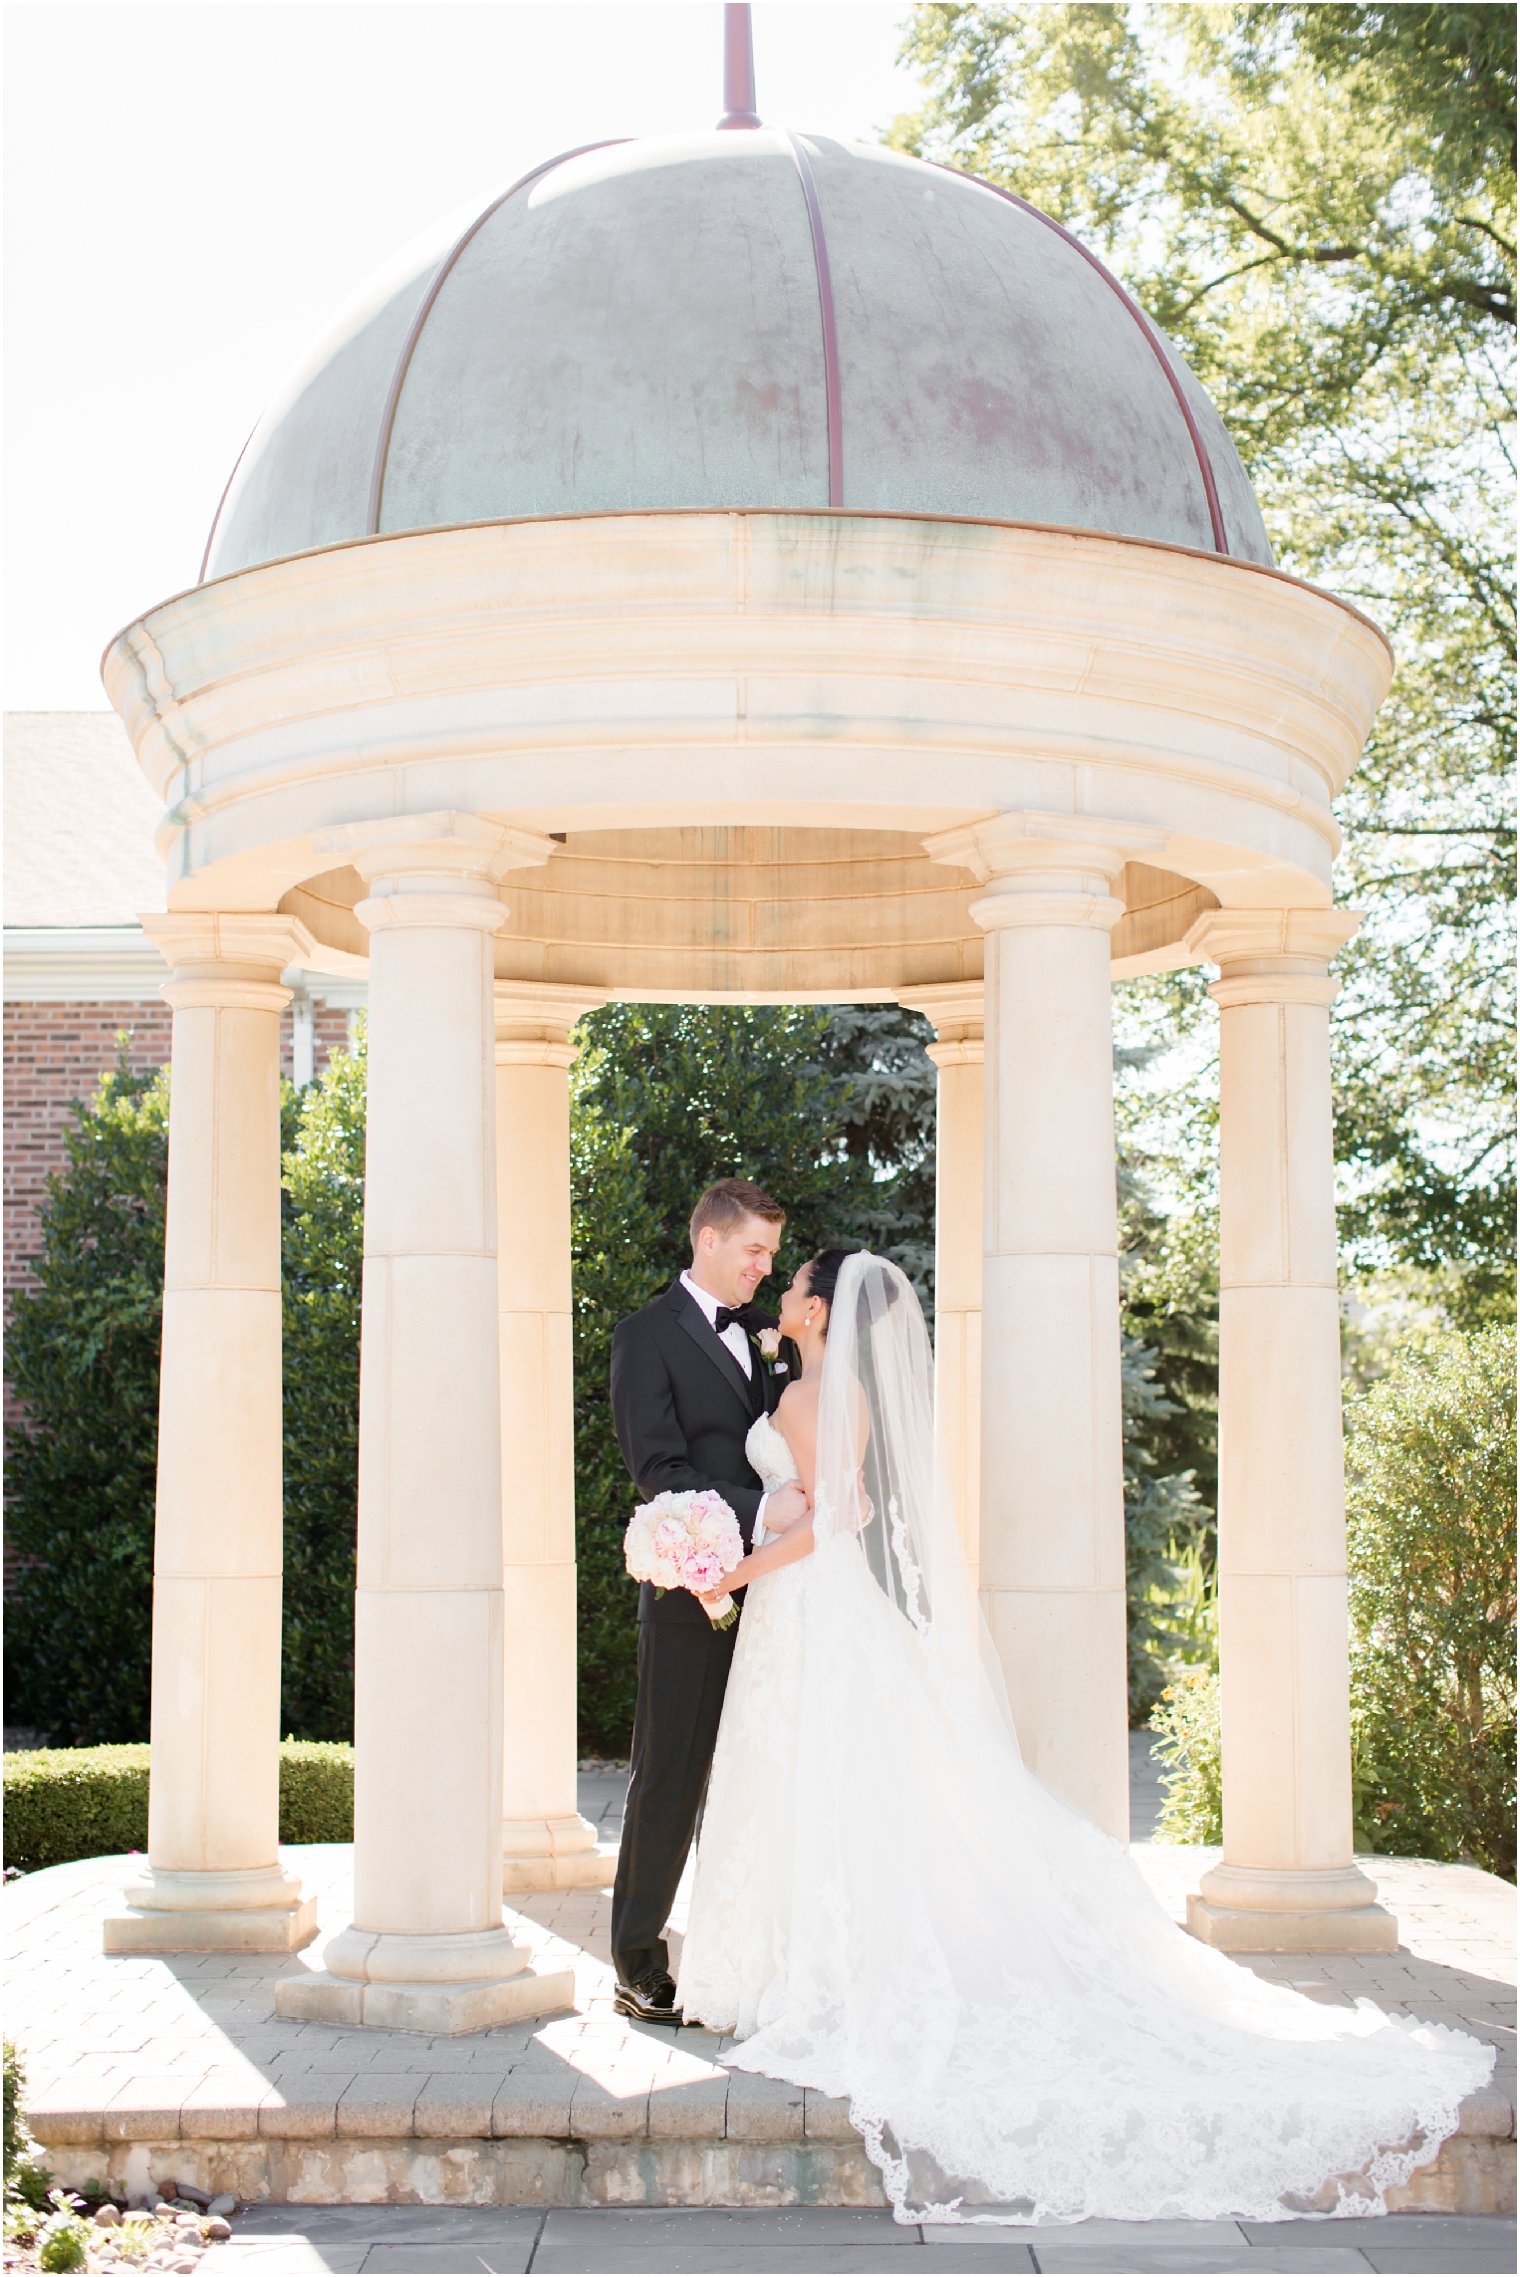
[(682, 1676)]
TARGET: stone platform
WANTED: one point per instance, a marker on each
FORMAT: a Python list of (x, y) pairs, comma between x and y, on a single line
[(152, 2068)]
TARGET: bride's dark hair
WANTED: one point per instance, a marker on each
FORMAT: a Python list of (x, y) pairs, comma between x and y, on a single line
[(824, 1271)]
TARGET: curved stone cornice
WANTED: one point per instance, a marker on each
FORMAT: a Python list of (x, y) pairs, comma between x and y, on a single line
[(779, 671)]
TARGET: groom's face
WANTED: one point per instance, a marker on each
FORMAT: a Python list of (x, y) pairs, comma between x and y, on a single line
[(732, 1265)]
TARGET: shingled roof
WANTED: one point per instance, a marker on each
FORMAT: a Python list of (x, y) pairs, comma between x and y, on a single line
[(79, 823)]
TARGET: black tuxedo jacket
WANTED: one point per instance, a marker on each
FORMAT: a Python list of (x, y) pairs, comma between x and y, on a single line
[(682, 1407)]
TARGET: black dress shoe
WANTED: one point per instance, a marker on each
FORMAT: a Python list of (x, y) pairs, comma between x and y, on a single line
[(652, 2000)]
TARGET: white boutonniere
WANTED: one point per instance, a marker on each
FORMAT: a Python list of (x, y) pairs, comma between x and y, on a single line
[(768, 1345)]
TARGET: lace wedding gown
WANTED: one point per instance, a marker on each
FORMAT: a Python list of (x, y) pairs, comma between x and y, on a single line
[(890, 1907)]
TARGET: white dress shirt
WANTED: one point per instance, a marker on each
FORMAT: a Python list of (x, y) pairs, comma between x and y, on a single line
[(733, 1336), (735, 1340)]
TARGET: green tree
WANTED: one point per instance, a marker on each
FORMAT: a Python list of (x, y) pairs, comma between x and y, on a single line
[(888, 1107), (1317, 202), (323, 1265), (1430, 1524), (1430, 1551), (1164, 1518), (666, 1099), (82, 1352)]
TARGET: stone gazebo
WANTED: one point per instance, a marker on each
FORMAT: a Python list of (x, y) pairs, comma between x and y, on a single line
[(745, 568)]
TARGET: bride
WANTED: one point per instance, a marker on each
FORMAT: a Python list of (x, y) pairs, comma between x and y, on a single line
[(889, 1906)]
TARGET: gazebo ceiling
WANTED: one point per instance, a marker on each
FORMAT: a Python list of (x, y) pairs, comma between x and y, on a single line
[(770, 913), (754, 319)]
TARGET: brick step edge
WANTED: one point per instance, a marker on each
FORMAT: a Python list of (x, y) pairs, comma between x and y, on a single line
[(1474, 2174)]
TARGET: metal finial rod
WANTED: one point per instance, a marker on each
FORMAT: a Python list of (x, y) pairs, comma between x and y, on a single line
[(738, 68)]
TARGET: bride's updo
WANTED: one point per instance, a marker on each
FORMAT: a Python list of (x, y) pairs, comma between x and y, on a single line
[(823, 1276)]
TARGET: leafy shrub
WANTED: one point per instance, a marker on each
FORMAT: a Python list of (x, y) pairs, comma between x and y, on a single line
[(1186, 1724), (27, 2179), (316, 1791), (15, 2088), (322, 1243), (92, 1802), (1430, 1517), (1431, 1506), (63, 2242), (82, 1356), (74, 1802)]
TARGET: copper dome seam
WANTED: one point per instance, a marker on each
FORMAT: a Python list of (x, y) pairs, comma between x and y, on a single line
[(1148, 328), (221, 503), (429, 301), (833, 393)]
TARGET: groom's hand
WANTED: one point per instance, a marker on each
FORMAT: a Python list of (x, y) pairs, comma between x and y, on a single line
[(785, 1506)]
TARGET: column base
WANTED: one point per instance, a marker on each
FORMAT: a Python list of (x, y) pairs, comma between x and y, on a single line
[(169, 1911), (1261, 1909), (555, 1854), (448, 2010), (444, 1981)]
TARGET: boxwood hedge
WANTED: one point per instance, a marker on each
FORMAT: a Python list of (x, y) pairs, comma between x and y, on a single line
[(92, 1802)]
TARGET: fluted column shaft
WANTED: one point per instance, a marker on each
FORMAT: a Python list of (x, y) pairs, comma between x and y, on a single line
[(1287, 1881), (546, 1844), (214, 1878), (1052, 1528), (958, 1055)]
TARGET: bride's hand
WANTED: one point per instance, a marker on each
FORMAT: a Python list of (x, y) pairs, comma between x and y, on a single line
[(785, 1507)]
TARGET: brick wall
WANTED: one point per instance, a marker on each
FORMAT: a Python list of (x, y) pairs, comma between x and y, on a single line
[(56, 1053)]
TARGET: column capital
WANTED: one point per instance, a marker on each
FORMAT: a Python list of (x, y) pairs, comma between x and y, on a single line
[(1030, 839), (956, 1008), (1046, 869), (434, 869), (534, 1019), (1272, 956), (228, 958)]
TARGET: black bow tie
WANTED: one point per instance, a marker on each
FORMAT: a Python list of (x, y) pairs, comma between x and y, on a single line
[(728, 1316)]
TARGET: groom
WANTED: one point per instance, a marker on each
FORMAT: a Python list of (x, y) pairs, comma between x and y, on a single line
[(688, 1380)]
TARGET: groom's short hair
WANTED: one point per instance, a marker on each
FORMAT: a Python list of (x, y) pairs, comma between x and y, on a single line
[(729, 1203)]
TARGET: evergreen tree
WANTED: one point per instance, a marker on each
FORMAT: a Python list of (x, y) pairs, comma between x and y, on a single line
[(877, 1052), (666, 1099), (831, 1109), (82, 1351), (323, 1266)]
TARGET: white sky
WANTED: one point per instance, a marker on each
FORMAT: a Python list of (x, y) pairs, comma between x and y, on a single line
[(193, 186)]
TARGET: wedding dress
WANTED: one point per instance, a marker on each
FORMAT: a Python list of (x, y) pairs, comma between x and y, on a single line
[(890, 1907)]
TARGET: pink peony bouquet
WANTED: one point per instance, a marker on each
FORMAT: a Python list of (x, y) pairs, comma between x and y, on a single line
[(686, 1541)]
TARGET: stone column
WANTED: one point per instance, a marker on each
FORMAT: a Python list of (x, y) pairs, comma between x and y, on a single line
[(428, 1950), (214, 1880), (956, 1011), (1052, 1526), (1287, 1882), (546, 1844)]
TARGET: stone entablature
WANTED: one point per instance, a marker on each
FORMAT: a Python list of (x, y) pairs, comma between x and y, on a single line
[(700, 683)]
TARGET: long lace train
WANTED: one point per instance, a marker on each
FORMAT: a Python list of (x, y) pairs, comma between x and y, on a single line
[(891, 1908)]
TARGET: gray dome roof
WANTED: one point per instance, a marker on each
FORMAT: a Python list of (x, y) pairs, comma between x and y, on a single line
[(740, 319)]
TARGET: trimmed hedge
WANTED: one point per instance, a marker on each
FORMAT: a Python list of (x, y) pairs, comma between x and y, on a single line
[(316, 1790), (92, 1802)]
